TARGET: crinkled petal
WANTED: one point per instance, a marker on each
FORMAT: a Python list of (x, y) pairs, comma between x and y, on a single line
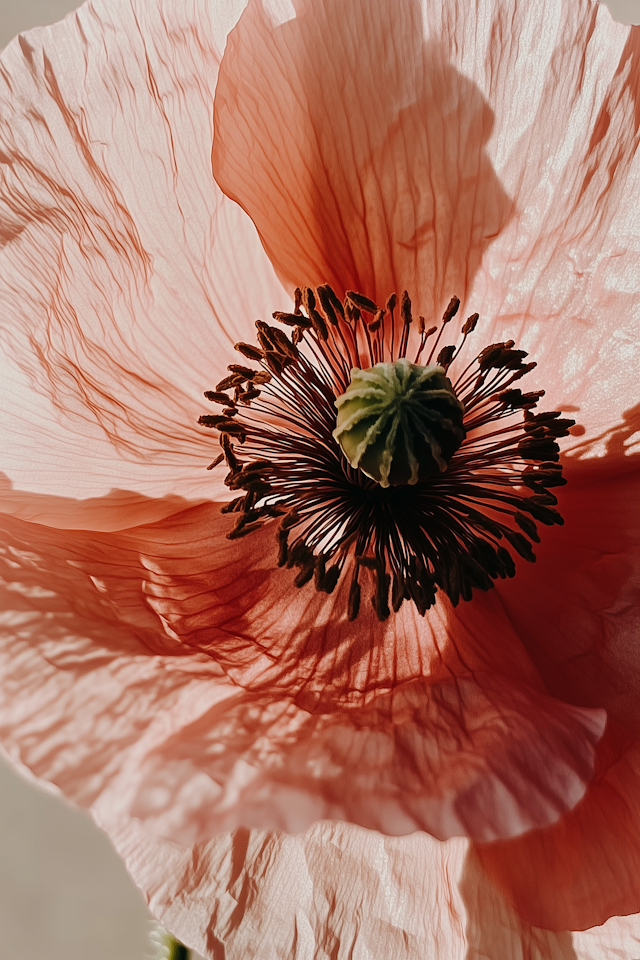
[(484, 150), (447, 731), (87, 676), (339, 891), (582, 633), (125, 275)]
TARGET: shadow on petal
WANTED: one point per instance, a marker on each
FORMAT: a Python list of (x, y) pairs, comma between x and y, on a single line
[(358, 150), (477, 757)]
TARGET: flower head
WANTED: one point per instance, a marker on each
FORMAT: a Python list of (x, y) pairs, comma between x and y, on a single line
[(338, 621)]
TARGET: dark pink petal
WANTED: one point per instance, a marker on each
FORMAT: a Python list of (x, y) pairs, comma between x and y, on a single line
[(486, 150), (581, 630), (358, 149), (583, 870)]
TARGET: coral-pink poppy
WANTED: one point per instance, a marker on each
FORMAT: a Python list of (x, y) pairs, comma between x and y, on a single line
[(285, 774)]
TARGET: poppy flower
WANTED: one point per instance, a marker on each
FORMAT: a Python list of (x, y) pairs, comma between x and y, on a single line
[(368, 686)]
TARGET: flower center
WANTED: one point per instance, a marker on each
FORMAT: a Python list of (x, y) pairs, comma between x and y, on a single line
[(420, 483), (399, 422)]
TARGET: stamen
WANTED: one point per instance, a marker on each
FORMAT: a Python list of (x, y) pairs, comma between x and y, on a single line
[(424, 481)]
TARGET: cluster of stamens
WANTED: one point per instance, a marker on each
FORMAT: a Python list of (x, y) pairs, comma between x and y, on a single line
[(453, 531)]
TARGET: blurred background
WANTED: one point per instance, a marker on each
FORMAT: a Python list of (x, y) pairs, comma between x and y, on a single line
[(64, 893)]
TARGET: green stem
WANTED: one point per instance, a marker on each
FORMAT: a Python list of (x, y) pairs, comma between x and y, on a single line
[(178, 951)]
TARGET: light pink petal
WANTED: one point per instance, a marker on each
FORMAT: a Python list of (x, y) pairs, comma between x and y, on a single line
[(396, 726), (342, 891), (88, 677), (485, 150), (125, 275)]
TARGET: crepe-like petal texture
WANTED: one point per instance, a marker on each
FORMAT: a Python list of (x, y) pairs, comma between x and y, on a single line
[(483, 150), (111, 228), (340, 891), (474, 749), (156, 670)]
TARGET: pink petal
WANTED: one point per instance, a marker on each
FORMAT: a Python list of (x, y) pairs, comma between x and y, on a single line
[(578, 619), (481, 758), (340, 889), (581, 632), (486, 150), (125, 275), (87, 676), (358, 150), (399, 726), (583, 870)]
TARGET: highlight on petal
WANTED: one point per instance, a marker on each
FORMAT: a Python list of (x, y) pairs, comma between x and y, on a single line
[(125, 275), (343, 889)]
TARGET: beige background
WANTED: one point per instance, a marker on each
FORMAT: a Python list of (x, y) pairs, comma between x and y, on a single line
[(64, 894)]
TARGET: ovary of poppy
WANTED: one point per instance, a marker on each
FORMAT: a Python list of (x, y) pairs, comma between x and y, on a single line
[(175, 681)]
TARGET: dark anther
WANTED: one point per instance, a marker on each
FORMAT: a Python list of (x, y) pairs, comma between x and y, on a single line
[(470, 324), (445, 356), (397, 592), (364, 303), (252, 353), (353, 607), (221, 422), (405, 309), (292, 319), (282, 537), (248, 396), (376, 323), (247, 373), (527, 524), (232, 461), (330, 304), (351, 312), (380, 597), (306, 571), (233, 381), (217, 397), (451, 310), (284, 344)]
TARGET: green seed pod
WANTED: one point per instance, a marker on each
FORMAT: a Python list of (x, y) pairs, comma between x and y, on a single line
[(399, 422)]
